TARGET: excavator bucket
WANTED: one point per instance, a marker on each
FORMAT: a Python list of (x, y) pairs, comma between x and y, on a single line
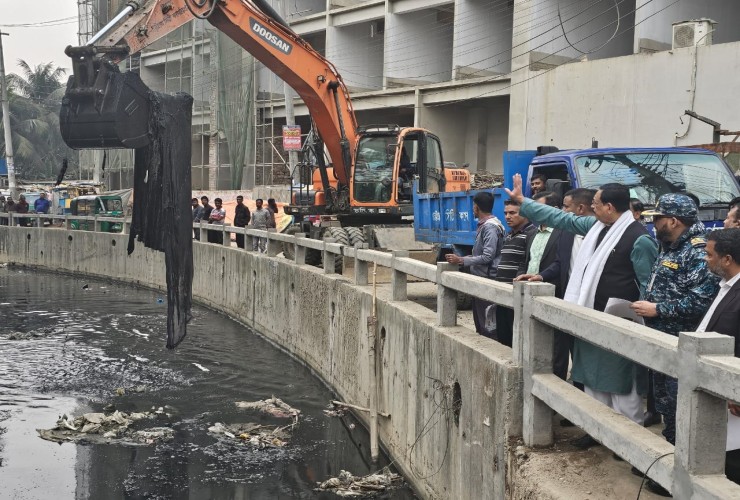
[(102, 107)]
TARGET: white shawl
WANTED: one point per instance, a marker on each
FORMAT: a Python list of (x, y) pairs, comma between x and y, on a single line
[(591, 259)]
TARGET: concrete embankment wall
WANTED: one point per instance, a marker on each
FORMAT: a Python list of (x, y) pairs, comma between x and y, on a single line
[(445, 450)]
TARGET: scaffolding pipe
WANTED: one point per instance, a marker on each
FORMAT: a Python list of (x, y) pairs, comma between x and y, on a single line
[(372, 324)]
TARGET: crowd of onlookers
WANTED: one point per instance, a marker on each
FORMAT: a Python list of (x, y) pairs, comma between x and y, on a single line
[(594, 246), (8, 205), (262, 218)]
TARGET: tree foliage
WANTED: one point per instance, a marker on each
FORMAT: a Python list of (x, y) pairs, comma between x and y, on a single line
[(34, 100)]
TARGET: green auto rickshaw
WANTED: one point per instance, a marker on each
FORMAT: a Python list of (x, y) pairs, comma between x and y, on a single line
[(100, 205)]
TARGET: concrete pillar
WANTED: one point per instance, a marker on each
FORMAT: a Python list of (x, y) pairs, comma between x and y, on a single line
[(226, 236), (701, 418), (537, 342), (446, 297), (67, 222), (399, 280), (329, 258), (273, 246), (249, 242), (202, 233), (96, 224), (521, 43), (300, 251), (361, 266)]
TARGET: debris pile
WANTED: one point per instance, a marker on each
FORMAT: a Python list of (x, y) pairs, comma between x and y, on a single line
[(335, 410), (347, 485), (96, 428), (42, 332), (272, 406), (256, 435), (486, 180)]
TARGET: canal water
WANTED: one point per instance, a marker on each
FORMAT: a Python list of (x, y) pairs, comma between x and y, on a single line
[(88, 339)]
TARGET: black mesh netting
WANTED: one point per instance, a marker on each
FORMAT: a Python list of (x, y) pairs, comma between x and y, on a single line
[(161, 216)]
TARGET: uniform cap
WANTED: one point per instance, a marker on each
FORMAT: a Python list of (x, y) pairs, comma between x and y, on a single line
[(673, 205)]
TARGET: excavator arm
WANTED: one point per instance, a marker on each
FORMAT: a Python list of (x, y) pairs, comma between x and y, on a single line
[(253, 25)]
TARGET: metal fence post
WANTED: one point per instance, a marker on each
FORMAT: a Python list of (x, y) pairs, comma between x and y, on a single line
[(299, 251), (537, 342), (329, 258), (446, 297), (701, 418), (399, 280), (361, 266)]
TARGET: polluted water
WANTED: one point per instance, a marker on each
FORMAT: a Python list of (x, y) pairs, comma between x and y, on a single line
[(80, 354)]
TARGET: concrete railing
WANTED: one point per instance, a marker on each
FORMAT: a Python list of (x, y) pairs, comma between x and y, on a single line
[(704, 363)]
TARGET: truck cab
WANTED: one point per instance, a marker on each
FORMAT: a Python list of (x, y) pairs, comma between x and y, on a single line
[(648, 172)]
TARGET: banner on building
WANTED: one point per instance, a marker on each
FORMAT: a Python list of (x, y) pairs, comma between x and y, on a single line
[(292, 137)]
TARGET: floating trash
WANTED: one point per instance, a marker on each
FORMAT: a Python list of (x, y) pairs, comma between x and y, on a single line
[(257, 435), (347, 485), (160, 300), (334, 410), (201, 367), (272, 406), (96, 428)]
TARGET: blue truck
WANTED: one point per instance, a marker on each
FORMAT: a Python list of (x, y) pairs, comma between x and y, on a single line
[(446, 219)]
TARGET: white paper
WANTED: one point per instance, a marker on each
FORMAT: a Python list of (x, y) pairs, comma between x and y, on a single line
[(733, 432), (621, 308)]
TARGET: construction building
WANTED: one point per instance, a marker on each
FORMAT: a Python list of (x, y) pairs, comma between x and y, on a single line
[(484, 75)]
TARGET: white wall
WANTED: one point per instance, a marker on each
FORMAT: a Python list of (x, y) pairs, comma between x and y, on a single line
[(659, 15), (418, 47), (634, 100), (475, 134), (482, 38), (588, 24), (357, 51)]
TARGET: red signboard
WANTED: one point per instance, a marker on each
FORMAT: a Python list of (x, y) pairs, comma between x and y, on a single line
[(292, 137)]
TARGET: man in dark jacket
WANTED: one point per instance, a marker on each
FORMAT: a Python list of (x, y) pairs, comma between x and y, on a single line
[(486, 254), (723, 316), (241, 219)]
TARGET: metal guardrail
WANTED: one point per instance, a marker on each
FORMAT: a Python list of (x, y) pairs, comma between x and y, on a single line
[(704, 363)]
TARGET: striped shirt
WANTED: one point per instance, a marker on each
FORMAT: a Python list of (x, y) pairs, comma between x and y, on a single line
[(513, 254)]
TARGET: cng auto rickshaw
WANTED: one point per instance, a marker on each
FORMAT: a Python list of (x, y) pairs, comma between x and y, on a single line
[(100, 205)]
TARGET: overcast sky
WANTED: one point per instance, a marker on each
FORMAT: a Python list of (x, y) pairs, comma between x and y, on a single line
[(38, 45)]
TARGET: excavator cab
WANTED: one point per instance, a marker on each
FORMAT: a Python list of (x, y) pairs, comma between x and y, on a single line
[(388, 159), (102, 107)]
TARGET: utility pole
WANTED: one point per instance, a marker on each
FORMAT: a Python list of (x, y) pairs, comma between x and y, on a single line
[(288, 91), (6, 123)]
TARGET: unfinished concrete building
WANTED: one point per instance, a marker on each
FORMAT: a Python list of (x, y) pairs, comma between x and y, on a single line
[(484, 75)]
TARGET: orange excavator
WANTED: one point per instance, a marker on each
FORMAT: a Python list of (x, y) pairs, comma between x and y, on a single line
[(370, 171)]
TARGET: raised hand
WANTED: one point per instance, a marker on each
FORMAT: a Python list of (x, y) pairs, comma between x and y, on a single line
[(516, 194)]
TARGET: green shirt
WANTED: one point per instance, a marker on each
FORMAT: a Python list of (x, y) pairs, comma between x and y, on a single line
[(644, 251), (537, 249), (593, 366)]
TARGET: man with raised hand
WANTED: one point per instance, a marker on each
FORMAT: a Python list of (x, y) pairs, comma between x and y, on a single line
[(614, 261)]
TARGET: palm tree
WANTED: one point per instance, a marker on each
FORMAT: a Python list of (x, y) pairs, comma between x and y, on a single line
[(34, 121), (39, 82)]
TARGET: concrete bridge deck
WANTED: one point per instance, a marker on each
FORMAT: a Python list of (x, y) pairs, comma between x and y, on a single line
[(461, 406)]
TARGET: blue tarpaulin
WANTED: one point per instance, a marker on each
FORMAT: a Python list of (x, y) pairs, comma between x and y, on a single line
[(3, 167)]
